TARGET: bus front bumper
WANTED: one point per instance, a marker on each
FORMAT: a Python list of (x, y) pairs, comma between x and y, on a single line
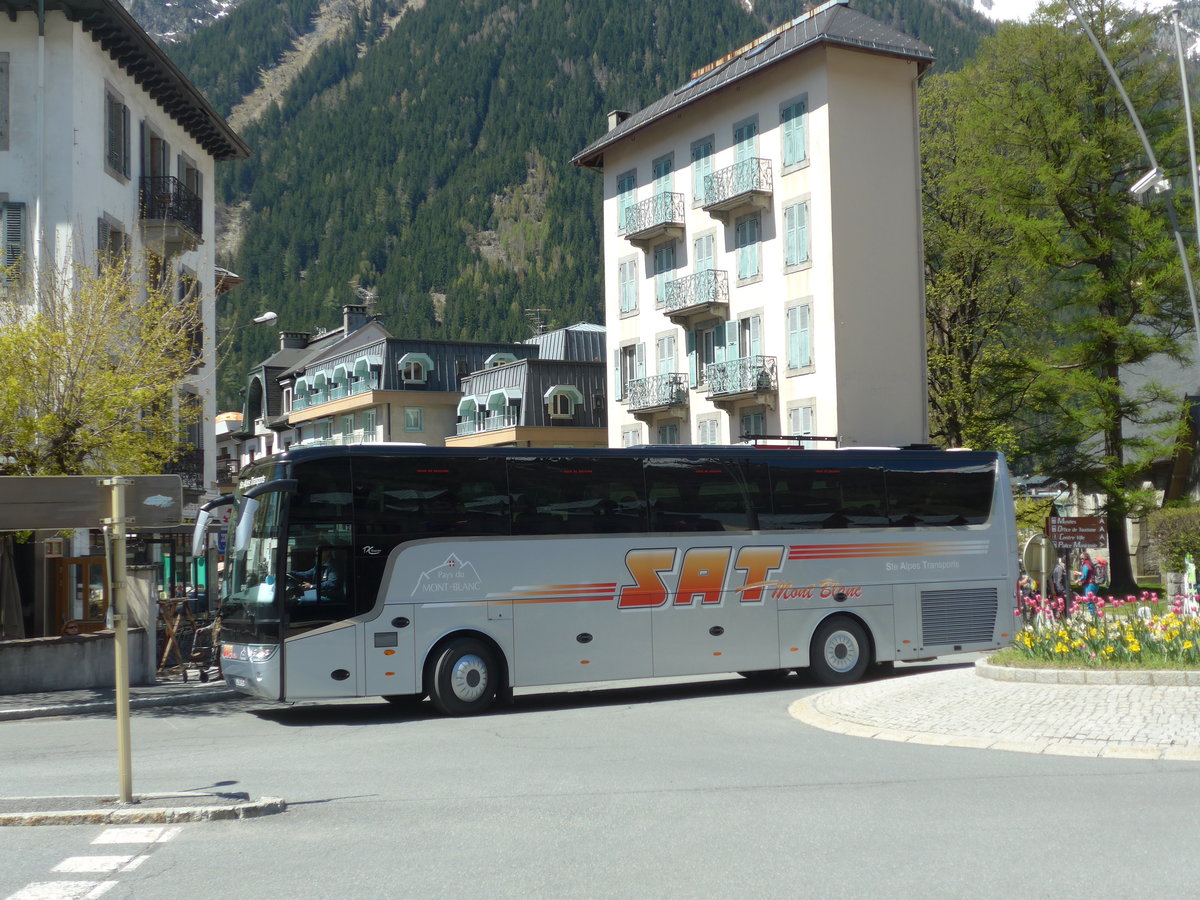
[(258, 679)]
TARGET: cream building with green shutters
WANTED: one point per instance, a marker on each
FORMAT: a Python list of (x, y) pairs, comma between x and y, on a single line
[(762, 244)]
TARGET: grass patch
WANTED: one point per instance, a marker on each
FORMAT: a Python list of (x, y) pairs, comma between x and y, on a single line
[(1017, 659)]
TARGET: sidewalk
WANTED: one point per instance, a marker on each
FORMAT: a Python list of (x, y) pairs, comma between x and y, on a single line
[(169, 692), (1042, 713)]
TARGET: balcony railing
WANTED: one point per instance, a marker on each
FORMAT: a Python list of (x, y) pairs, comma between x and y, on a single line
[(189, 466), (494, 422), (363, 385), (660, 215), (748, 375), (698, 292), (744, 184), (167, 199), (657, 392)]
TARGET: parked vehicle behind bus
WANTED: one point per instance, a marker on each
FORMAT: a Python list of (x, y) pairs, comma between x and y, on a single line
[(462, 574)]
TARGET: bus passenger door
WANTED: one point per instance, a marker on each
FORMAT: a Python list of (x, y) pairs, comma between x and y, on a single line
[(322, 663), (389, 645)]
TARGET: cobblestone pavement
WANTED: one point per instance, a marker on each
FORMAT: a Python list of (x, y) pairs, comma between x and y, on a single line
[(959, 708)]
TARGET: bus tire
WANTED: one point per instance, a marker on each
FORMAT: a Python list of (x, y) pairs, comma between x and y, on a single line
[(767, 676), (464, 678), (840, 651)]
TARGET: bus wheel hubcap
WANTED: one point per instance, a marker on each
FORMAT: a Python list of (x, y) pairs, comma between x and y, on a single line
[(841, 651), (469, 677)]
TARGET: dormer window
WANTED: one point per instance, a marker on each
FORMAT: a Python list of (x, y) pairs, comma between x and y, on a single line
[(499, 359), (561, 401), (415, 368)]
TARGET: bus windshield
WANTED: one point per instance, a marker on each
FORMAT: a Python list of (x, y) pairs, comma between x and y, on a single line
[(249, 613)]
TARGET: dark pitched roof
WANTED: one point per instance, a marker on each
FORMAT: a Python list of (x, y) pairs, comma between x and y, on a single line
[(119, 34), (834, 23)]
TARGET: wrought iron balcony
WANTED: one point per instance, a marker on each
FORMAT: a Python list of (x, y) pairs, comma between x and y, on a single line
[(660, 216), (739, 188), (748, 375), (189, 466), (170, 213), (702, 292), (657, 392)]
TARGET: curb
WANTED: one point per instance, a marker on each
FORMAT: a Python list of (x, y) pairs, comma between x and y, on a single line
[(100, 706), (127, 815), (1147, 677)]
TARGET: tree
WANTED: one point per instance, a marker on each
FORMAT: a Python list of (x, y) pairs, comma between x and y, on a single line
[(980, 321), (92, 364), (1058, 153)]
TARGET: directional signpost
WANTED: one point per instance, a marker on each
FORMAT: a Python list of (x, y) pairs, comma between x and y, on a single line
[(85, 501), (1077, 532)]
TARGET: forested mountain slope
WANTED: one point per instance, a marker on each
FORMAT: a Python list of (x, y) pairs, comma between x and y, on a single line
[(425, 156)]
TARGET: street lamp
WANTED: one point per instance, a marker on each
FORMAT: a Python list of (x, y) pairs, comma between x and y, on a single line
[(265, 319)]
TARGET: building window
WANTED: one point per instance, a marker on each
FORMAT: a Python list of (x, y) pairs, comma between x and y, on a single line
[(369, 425), (799, 337), (499, 359), (627, 285), (663, 167), (745, 140), (702, 154), (793, 122), (800, 422), (415, 368), (347, 426), (112, 243), (561, 400), (750, 336), (795, 230), (702, 254), (746, 239), (116, 135), (708, 431), (631, 366), (702, 351), (287, 400), (668, 433), (753, 421), (665, 346), (414, 418), (631, 437), (562, 406), (664, 270), (12, 241), (626, 196)]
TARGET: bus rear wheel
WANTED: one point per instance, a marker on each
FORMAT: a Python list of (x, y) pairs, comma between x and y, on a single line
[(840, 651), (463, 680)]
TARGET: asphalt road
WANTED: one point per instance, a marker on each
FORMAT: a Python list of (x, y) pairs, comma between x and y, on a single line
[(694, 788)]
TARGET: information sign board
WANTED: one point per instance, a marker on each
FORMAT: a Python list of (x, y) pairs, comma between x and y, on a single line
[(1077, 532)]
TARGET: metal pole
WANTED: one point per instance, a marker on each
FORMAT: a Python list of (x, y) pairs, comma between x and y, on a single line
[(1191, 136), (121, 647)]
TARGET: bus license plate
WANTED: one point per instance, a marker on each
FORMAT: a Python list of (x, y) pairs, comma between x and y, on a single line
[(238, 681)]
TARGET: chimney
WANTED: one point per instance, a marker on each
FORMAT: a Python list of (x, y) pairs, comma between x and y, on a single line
[(354, 318), (293, 340), (616, 117)]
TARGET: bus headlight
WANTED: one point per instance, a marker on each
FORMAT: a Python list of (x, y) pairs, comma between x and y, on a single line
[(248, 652)]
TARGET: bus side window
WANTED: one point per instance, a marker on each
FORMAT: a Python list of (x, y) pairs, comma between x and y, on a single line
[(698, 494), (579, 495)]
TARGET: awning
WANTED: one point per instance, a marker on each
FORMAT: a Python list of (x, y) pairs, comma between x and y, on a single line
[(422, 358), (498, 399), (468, 405), (498, 359)]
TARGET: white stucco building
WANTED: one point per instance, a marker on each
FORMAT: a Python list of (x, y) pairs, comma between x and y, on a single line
[(106, 146), (762, 243)]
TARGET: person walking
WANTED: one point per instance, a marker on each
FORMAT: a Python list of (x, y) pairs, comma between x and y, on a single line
[(1060, 585)]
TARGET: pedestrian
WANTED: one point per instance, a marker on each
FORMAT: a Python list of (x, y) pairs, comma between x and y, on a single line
[(1087, 580), (1060, 585)]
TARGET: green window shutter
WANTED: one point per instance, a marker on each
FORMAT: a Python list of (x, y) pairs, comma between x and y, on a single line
[(804, 328), (794, 140), (12, 239), (617, 373), (693, 363)]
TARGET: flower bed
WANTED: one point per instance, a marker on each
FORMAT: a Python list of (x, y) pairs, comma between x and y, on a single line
[(1094, 631)]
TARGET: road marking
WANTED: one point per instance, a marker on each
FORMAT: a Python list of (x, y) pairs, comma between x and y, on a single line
[(136, 835), (98, 864), (63, 890)]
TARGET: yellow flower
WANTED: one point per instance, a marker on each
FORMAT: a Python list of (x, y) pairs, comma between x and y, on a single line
[(1187, 645)]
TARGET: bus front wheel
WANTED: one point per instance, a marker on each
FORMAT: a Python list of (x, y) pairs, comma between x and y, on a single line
[(464, 678), (840, 651)]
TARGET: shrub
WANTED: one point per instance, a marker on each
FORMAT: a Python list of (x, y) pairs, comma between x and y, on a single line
[(1174, 533)]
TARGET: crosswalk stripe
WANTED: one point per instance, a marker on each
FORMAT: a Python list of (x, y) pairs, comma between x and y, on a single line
[(134, 834)]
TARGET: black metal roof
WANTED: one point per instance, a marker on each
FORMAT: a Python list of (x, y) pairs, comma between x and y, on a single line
[(834, 23), (119, 34)]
